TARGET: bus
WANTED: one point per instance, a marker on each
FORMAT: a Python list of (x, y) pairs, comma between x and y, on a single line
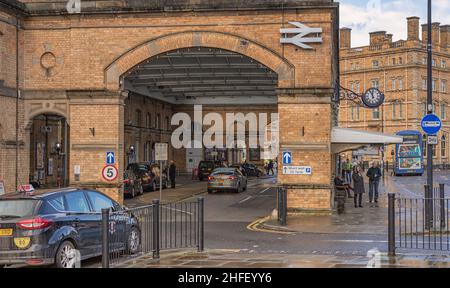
[(409, 154)]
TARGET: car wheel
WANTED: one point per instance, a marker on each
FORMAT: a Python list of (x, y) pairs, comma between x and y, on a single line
[(66, 255), (238, 189), (210, 191), (134, 241)]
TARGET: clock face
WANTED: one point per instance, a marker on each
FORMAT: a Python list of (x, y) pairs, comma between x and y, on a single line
[(373, 98)]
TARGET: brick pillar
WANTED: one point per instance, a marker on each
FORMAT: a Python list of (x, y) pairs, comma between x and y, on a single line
[(96, 127), (305, 130)]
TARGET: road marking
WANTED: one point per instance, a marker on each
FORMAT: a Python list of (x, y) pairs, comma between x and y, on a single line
[(245, 199), (357, 241), (265, 190)]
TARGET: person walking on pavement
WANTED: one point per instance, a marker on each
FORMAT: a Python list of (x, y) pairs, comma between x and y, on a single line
[(270, 168), (358, 186), (348, 167), (374, 174), (172, 173)]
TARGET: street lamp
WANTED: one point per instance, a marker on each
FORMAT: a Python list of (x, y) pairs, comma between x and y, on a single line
[(429, 187)]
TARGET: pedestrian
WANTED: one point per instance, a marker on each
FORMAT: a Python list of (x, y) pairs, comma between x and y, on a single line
[(374, 174), (270, 168), (348, 167), (358, 186), (172, 173), (341, 191)]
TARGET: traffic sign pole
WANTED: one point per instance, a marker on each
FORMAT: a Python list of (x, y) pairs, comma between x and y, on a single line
[(429, 103)]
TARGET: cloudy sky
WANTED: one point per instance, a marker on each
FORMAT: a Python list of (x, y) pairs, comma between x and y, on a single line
[(365, 16)]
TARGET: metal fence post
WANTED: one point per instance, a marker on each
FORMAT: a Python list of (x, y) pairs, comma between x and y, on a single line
[(391, 224), (156, 228), (442, 204), (201, 224), (105, 238), (428, 207)]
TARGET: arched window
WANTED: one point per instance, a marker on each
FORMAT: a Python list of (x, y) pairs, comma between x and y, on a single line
[(148, 121), (167, 123), (443, 146), (158, 121), (138, 118)]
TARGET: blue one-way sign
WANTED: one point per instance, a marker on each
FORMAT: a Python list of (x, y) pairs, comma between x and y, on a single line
[(110, 158), (287, 158)]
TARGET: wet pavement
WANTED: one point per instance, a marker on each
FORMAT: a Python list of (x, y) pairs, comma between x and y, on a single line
[(238, 259)]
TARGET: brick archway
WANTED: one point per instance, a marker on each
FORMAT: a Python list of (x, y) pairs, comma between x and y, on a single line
[(186, 39)]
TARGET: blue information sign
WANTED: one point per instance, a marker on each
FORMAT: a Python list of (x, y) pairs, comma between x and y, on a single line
[(431, 124)]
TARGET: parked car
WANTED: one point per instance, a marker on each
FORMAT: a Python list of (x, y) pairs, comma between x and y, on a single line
[(132, 184), (227, 179), (46, 229), (205, 168), (249, 170), (252, 170), (149, 174)]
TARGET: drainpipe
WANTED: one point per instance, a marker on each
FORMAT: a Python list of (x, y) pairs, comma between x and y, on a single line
[(17, 103)]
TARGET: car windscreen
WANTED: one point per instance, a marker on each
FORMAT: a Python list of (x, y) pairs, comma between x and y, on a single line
[(17, 208)]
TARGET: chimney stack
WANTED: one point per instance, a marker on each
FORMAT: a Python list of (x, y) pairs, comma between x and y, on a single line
[(345, 38), (413, 28), (445, 36), (435, 33), (377, 38)]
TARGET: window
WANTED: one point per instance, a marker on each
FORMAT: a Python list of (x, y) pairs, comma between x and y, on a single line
[(357, 112), (158, 121), (167, 123), (444, 86), (76, 202), (394, 61), (375, 63), (376, 83), (53, 205), (443, 111), (400, 110), (424, 60), (400, 60), (443, 64), (100, 201), (394, 84), (138, 118), (433, 62), (352, 86), (376, 113), (394, 110), (358, 87), (443, 146), (352, 113), (400, 84), (433, 85), (148, 121), (424, 84)]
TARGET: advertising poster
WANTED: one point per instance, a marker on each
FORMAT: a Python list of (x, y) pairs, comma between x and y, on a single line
[(410, 163)]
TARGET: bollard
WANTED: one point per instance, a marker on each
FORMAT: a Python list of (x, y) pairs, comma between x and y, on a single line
[(105, 238), (201, 224), (391, 225), (442, 204), (156, 228)]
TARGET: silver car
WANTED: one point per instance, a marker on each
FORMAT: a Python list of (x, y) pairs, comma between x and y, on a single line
[(227, 179)]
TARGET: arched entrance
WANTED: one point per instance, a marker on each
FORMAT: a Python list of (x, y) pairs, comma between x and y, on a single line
[(49, 155), (199, 81)]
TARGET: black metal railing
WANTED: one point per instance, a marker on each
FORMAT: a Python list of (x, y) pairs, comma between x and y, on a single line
[(148, 230), (419, 223), (282, 206)]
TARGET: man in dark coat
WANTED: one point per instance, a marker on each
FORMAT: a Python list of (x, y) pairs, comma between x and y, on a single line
[(374, 174), (172, 173)]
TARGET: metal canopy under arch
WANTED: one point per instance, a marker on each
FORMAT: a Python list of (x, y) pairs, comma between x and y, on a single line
[(201, 75)]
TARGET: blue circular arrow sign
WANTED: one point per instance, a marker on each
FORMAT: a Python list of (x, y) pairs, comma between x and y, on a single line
[(431, 124)]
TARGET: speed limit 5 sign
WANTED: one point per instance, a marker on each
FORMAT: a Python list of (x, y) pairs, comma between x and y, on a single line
[(110, 173)]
